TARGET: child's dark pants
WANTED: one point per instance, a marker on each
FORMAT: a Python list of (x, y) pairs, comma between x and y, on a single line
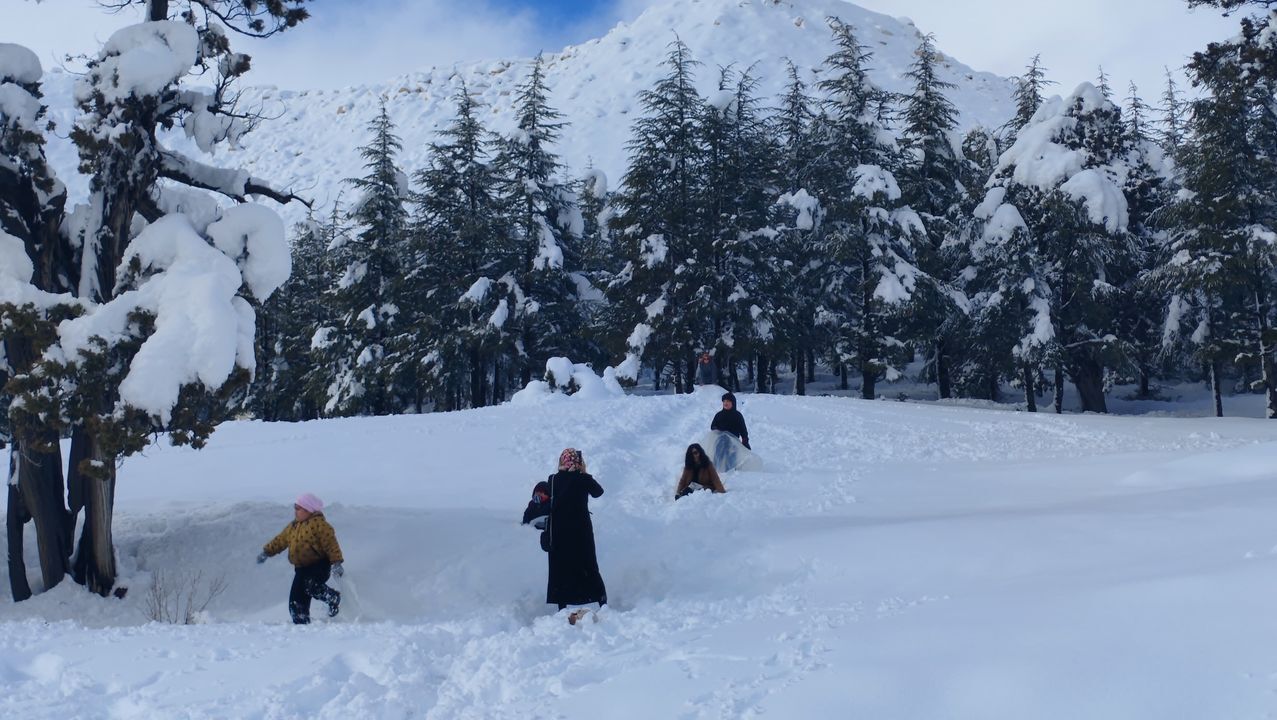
[(310, 582)]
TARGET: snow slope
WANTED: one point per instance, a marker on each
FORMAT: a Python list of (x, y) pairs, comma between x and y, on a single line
[(311, 141), (894, 560)]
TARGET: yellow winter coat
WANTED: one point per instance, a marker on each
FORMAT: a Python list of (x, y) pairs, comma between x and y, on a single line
[(308, 541)]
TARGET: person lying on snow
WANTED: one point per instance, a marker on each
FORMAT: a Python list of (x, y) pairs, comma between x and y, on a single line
[(698, 473), (729, 420), (314, 552)]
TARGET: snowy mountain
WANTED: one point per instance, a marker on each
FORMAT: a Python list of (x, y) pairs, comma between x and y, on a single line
[(311, 141)]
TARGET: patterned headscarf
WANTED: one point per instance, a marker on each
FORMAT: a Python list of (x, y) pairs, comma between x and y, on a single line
[(570, 459)]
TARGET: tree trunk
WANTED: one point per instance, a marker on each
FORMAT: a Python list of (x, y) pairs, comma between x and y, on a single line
[(1088, 376), (1214, 387), (95, 556), (1145, 391), (734, 378), (869, 377), (1030, 395), (478, 379), (800, 375), (17, 518), (749, 370), (691, 373), (842, 376), (39, 477), (497, 393), (1059, 390), (811, 366), (1265, 356), (991, 380), (761, 385), (942, 369)]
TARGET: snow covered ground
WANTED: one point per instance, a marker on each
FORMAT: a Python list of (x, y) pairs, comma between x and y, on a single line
[(894, 560)]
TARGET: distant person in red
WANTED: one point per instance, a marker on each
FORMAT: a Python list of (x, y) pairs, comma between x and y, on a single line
[(729, 420), (706, 371)]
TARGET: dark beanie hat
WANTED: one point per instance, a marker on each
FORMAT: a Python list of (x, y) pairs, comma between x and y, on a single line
[(729, 396)]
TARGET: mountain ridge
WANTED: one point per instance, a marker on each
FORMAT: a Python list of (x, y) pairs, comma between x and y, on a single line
[(311, 144)]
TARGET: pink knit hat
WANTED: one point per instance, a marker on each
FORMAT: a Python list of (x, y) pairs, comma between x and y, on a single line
[(309, 503)]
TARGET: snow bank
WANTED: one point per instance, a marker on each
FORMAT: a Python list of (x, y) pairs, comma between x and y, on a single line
[(564, 377)]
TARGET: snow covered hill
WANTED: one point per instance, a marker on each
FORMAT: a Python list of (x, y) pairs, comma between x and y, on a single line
[(893, 560), (311, 142)]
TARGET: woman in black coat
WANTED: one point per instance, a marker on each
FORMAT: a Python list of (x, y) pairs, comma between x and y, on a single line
[(574, 566)]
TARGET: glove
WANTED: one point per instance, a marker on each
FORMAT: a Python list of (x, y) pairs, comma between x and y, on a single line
[(261, 558), (338, 570)]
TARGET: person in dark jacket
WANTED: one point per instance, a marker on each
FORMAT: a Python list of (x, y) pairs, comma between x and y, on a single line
[(730, 420), (698, 473), (574, 577), (539, 506)]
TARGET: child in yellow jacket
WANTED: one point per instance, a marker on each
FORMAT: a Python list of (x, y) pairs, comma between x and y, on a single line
[(314, 552)]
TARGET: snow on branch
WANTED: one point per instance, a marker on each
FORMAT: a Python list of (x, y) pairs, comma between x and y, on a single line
[(235, 184)]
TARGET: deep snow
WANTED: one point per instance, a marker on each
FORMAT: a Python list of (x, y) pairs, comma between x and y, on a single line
[(893, 560)]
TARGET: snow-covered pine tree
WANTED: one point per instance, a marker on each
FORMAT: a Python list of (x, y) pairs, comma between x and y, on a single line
[(465, 263), (358, 348), (546, 317), (1148, 190), (1064, 179), (1172, 126), (868, 232), (290, 384), (140, 360), (736, 194), (979, 362), (931, 184), (1222, 268), (792, 265), (663, 291), (1028, 94)]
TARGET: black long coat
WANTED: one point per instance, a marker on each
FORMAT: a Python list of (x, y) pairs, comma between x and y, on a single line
[(574, 565)]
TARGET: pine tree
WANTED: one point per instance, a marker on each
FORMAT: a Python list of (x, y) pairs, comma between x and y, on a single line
[(291, 382), (736, 194), (358, 348), (868, 232), (547, 229), (1063, 248), (792, 267), (1173, 121), (465, 264), (1148, 190), (1027, 97), (931, 184), (663, 290), (1222, 267), (978, 368)]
